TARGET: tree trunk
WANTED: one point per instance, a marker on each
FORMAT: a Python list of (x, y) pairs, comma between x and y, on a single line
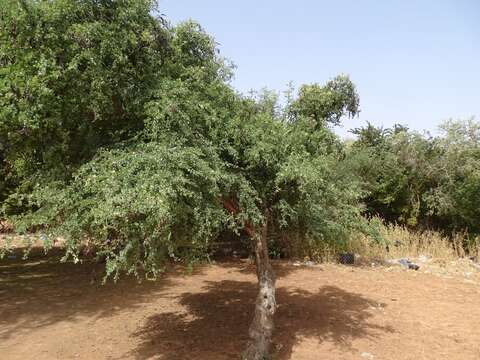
[(261, 328)]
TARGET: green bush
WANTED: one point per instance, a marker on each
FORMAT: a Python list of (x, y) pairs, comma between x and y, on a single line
[(418, 180)]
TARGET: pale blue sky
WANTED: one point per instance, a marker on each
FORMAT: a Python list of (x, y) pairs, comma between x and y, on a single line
[(415, 62)]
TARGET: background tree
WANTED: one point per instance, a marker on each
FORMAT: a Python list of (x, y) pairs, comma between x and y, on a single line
[(454, 201), (419, 180)]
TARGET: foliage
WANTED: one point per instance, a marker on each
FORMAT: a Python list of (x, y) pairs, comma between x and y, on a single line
[(122, 134), (327, 104), (419, 180), (74, 77), (454, 201), (136, 205)]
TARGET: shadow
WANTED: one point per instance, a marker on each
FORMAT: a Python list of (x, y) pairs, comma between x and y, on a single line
[(210, 324), (215, 323), (281, 268), (42, 291)]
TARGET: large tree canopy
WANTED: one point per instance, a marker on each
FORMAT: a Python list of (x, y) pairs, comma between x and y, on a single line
[(121, 132)]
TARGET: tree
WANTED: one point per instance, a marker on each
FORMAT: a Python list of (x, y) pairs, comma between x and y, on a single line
[(185, 156), (74, 77), (396, 167), (419, 180), (454, 200), (328, 103)]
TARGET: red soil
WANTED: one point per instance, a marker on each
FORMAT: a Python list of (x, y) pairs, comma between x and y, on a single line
[(55, 311)]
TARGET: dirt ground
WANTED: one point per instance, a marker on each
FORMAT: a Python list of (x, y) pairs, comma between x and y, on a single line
[(50, 310)]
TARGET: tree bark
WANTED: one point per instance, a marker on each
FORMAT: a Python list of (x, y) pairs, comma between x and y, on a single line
[(262, 326)]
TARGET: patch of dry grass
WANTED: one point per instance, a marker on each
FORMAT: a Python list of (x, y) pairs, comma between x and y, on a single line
[(401, 242), (5, 227)]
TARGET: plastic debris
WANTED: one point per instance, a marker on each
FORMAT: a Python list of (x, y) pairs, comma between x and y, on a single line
[(347, 258), (408, 264)]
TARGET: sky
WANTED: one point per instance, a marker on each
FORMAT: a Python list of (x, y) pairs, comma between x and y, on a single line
[(414, 62)]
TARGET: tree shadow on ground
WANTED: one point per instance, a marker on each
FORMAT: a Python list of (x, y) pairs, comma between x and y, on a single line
[(43, 291), (247, 267), (215, 323)]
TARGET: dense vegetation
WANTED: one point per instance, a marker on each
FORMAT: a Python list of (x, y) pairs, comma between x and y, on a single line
[(419, 180), (123, 130), (121, 133)]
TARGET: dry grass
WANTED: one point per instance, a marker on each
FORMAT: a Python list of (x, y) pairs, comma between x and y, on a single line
[(401, 242), (473, 248), (5, 227)]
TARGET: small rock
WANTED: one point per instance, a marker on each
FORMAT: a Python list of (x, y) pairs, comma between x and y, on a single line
[(366, 355), (305, 263)]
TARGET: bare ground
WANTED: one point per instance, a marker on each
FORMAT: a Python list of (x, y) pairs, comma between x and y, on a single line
[(50, 310)]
